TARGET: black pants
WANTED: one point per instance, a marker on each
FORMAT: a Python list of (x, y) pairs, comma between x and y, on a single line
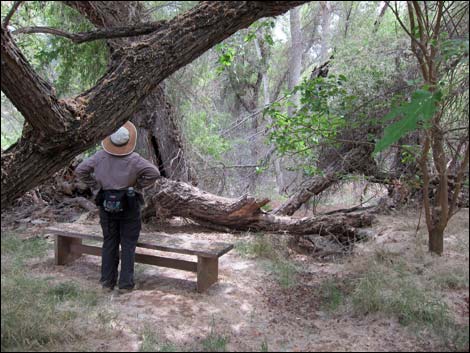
[(119, 228)]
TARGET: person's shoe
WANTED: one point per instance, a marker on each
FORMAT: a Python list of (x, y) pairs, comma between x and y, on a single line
[(106, 289), (125, 290)]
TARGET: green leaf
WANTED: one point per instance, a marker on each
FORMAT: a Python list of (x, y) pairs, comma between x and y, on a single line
[(421, 108), (269, 39), (249, 37)]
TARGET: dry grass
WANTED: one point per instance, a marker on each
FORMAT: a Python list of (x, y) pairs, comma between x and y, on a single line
[(397, 276), (38, 314)]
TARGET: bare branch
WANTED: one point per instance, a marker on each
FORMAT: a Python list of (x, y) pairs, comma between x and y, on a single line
[(414, 42), (11, 13), (458, 184)]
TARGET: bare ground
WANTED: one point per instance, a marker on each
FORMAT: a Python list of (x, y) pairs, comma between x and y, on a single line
[(250, 309)]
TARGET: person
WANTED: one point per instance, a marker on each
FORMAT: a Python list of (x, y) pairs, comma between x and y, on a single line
[(115, 171)]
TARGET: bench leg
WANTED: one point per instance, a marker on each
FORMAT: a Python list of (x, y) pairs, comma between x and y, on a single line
[(63, 252), (207, 272)]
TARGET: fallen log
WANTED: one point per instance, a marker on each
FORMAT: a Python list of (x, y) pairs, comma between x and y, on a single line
[(169, 198), (355, 159)]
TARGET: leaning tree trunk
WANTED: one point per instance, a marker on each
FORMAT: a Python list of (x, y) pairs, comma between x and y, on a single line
[(61, 129), (353, 158)]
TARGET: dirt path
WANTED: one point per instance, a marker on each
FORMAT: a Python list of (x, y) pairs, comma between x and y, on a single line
[(247, 306)]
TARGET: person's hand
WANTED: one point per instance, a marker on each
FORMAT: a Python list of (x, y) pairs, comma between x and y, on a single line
[(95, 192)]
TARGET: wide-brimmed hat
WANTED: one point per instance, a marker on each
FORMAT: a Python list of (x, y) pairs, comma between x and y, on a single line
[(122, 142)]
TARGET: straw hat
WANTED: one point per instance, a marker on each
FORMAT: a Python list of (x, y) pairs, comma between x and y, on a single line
[(122, 142)]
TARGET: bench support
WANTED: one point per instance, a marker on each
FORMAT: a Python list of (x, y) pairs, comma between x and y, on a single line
[(207, 272), (63, 250)]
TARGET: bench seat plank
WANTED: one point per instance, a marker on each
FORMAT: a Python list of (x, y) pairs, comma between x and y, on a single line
[(162, 243)]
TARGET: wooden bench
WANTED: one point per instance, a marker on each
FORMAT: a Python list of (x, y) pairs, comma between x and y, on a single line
[(69, 246)]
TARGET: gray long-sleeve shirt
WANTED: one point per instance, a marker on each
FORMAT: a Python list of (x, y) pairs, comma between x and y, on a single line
[(108, 172)]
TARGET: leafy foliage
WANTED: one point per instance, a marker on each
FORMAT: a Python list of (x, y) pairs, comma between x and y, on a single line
[(415, 114), (228, 50), (204, 137), (71, 68), (317, 119), (226, 57)]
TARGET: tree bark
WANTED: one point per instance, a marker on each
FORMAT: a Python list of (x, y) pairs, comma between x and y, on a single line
[(295, 54), (160, 137), (325, 29), (133, 74), (436, 241)]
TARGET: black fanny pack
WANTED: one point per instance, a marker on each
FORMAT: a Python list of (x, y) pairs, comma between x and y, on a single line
[(114, 201)]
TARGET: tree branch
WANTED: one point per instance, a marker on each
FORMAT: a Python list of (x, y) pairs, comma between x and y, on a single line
[(458, 184), (106, 33), (32, 95)]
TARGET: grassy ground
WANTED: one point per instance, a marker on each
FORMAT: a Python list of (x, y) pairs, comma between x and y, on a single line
[(391, 291), (261, 247), (411, 286), (41, 313)]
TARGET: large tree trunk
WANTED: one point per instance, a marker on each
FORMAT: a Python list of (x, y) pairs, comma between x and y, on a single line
[(171, 198), (64, 128), (160, 137)]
